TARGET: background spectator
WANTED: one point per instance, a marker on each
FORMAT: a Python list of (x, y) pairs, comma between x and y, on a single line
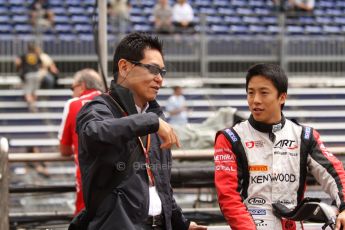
[(86, 85), (302, 5), (28, 66), (118, 11), (41, 15), (48, 71), (183, 15), (162, 13), (176, 107)]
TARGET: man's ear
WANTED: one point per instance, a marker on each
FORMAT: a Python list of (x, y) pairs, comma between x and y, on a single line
[(123, 65), (282, 98)]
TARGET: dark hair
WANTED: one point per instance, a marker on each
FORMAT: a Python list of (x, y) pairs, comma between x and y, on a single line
[(272, 72), (132, 48)]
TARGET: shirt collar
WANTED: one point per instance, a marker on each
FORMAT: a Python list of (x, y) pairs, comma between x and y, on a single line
[(142, 110), (265, 128)]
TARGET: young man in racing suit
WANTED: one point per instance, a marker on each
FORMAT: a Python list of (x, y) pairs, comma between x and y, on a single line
[(265, 159)]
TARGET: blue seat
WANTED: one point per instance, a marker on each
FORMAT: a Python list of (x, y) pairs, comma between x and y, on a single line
[(262, 11), (59, 10), (61, 19), (82, 19), (221, 3), (4, 18), (325, 4), (20, 18), (226, 11), (16, 2), (18, 9), (257, 4), (63, 28), (83, 29), (323, 20), (339, 20), (233, 19), (319, 12), (148, 10), (75, 3), (269, 20), (208, 11), (219, 29), (244, 11), (76, 10), (5, 28), (239, 29), (23, 29), (214, 19), (335, 12), (273, 29), (239, 3), (251, 19), (331, 29), (142, 28), (138, 19), (256, 29), (306, 20), (313, 29), (294, 29), (136, 11)]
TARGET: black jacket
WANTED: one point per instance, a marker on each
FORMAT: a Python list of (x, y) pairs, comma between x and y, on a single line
[(107, 146)]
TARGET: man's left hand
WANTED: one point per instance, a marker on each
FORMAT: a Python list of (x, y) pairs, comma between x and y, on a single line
[(340, 223), (195, 226)]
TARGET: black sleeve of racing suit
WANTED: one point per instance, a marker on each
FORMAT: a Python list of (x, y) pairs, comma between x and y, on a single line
[(327, 169)]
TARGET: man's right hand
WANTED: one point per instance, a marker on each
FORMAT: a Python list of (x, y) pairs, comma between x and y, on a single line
[(168, 135)]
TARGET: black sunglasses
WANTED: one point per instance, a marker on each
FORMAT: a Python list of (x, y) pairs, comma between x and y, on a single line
[(151, 68)]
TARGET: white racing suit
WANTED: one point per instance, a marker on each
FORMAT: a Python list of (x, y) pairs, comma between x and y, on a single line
[(257, 165)]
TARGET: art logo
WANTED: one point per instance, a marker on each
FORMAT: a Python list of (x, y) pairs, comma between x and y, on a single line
[(289, 144)]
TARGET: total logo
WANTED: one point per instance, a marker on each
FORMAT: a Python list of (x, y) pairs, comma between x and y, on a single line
[(289, 144), (252, 144)]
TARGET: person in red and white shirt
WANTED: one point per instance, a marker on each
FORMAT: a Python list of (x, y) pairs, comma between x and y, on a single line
[(86, 85)]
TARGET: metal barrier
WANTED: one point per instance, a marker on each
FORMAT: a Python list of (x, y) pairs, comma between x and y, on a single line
[(4, 221), (203, 55)]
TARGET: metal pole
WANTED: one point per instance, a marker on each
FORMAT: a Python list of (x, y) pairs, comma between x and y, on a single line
[(103, 40), (203, 48), (4, 223), (283, 42)]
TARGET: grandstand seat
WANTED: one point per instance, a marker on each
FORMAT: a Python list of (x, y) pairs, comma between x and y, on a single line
[(339, 20), (208, 11), (257, 3), (226, 11), (18, 9), (219, 29), (323, 20), (83, 29), (142, 28), (221, 3), (139, 19), (269, 19), (5, 29), (63, 28), (251, 19), (23, 29), (273, 29), (262, 11), (315, 30), (306, 20), (75, 3), (244, 11), (232, 19), (331, 29), (319, 12), (239, 3), (80, 19), (61, 19), (20, 18), (257, 29), (214, 20), (4, 18), (297, 30), (239, 29), (76, 10), (334, 12), (202, 3), (135, 11), (325, 4), (59, 10)]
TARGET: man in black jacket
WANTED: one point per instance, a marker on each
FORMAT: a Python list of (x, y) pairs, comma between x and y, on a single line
[(124, 146)]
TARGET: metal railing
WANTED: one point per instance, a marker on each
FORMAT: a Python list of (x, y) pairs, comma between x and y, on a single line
[(201, 54)]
